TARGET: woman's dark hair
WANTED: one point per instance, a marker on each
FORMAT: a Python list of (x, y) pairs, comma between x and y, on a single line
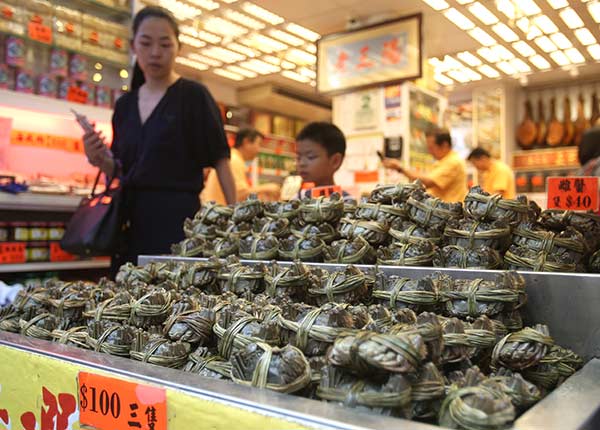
[(589, 148), (137, 79)]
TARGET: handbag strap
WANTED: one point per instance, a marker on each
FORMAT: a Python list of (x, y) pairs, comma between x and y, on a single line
[(111, 180)]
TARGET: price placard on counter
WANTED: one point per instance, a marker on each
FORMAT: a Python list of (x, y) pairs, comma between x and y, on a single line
[(573, 193), (108, 403)]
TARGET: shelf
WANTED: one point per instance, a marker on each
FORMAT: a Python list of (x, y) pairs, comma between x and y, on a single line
[(97, 8), (546, 159), (55, 266), (279, 153), (272, 172), (38, 202)]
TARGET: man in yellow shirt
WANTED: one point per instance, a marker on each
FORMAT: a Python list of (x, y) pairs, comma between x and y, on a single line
[(495, 177), (447, 179), (246, 148)]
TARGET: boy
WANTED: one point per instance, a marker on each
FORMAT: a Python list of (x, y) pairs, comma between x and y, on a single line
[(320, 150)]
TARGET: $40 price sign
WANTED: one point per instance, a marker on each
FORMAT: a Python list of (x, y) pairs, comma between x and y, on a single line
[(107, 403), (573, 193)]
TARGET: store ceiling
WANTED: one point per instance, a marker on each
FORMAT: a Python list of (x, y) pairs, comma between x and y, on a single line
[(513, 49)]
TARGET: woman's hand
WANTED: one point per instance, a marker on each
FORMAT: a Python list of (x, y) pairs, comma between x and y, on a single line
[(392, 163), (95, 148)]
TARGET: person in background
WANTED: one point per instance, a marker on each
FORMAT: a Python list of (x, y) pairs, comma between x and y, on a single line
[(589, 153), (165, 131), (247, 145), (495, 177), (447, 179), (320, 151)]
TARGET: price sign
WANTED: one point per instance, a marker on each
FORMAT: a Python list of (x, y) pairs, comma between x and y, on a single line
[(573, 193), (77, 95), (107, 403), (41, 33)]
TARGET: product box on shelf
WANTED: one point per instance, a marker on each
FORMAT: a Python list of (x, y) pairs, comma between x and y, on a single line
[(24, 81), (47, 85), (11, 19), (15, 51), (59, 63), (12, 253), (67, 28)]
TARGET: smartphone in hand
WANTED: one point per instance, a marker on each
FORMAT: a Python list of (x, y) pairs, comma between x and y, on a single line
[(83, 122), (380, 155)]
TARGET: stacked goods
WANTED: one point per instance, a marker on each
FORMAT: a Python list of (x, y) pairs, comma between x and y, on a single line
[(435, 349)]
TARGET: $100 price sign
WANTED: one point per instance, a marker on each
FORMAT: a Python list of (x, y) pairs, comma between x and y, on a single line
[(107, 403)]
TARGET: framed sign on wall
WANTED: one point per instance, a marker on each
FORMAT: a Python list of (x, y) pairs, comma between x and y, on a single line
[(381, 54)]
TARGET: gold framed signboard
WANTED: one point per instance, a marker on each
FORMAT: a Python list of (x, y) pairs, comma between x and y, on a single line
[(381, 54)]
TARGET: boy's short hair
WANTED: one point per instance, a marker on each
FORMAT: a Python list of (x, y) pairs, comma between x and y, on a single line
[(325, 134), (441, 135), (246, 133), (478, 153)]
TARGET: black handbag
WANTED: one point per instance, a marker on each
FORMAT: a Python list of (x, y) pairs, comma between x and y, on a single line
[(94, 227)]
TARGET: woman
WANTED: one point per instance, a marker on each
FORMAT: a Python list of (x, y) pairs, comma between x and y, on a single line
[(166, 130)]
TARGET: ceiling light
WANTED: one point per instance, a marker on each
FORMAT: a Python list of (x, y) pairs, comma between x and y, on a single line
[(489, 71), (528, 7), (520, 65), (545, 24), (505, 32), (482, 37), (527, 27), (502, 52), (248, 52), (545, 43), (464, 1), (585, 36), (191, 41), (261, 13), (228, 1), (227, 74), (300, 57), (459, 76), (523, 48), (507, 8), (205, 4), (561, 41), (191, 63), (540, 62), (594, 51), (303, 32), (287, 65), (242, 71), (98, 66), (459, 19), (442, 79), (123, 73), (523, 24), (97, 77), (435, 62), (575, 56), (560, 58), (223, 27), (245, 20), (558, 4), (180, 10), (468, 58), (594, 10), (570, 17), (312, 48), (208, 37), (259, 66), (223, 54), (295, 76), (264, 43), (507, 68), (483, 13), (450, 63), (284, 64), (472, 75), (488, 54), (308, 72), (437, 4), (204, 59), (286, 37)]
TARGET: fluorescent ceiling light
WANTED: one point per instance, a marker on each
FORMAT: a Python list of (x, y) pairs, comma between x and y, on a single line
[(223, 27), (245, 20), (284, 64), (560, 58), (575, 56), (472, 74), (437, 4), (520, 65), (482, 37), (464, 1), (191, 63), (459, 19), (594, 51), (310, 73), (546, 44), (528, 7), (585, 36), (459, 76), (571, 18), (451, 63), (191, 41), (204, 59), (259, 66), (223, 54), (489, 71), (227, 74), (505, 32), (488, 54), (205, 4), (545, 24), (229, 1), (483, 13), (287, 65), (303, 32), (248, 52), (180, 10), (295, 76), (261, 13), (442, 79), (594, 10), (507, 8), (300, 57), (435, 62), (507, 68), (558, 4), (208, 37), (242, 71), (540, 62), (523, 48), (502, 52), (561, 41), (286, 37), (468, 58), (527, 27), (264, 43), (523, 24), (312, 48)]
